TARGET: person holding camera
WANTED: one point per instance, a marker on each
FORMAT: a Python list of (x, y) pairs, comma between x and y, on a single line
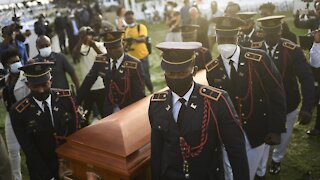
[(308, 19), (135, 36), (87, 50)]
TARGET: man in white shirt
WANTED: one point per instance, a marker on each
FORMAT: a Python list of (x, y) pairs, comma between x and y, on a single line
[(87, 50)]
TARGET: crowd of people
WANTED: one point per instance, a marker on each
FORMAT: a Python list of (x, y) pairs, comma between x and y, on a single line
[(223, 130)]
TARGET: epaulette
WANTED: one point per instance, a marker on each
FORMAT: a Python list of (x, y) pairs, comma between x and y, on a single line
[(131, 64), (101, 59), (256, 45), (62, 92), (253, 56), (210, 92), (289, 45), (161, 96), (23, 105), (211, 65)]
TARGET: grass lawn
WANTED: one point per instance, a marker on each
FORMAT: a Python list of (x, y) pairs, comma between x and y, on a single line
[(303, 154)]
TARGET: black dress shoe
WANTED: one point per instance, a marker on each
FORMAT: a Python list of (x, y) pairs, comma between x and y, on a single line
[(275, 168), (260, 177), (313, 132)]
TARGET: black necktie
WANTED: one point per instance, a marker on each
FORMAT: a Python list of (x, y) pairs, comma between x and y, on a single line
[(114, 65), (47, 115), (247, 38), (181, 112), (270, 51), (233, 72)]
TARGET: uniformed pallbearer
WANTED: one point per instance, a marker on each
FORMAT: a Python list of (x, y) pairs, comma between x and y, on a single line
[(248, 33), (254, 85), (293, 67), (121, 73), (42, 120), (190, 122)]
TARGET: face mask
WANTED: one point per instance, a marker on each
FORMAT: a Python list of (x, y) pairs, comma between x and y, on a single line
[(179, 86), (14, 67), (45, 52), (58, 14), (227, 50), (41, 96)]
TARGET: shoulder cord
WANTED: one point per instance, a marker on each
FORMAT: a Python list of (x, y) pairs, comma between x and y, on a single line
[(123, 93)]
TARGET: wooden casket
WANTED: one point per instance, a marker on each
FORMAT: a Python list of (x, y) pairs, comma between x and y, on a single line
[(116, 148)]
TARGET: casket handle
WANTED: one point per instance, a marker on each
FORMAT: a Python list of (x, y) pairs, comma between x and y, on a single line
[(93, 176)]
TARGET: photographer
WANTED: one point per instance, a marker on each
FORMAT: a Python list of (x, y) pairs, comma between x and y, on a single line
[(87, 50), (135, 36)]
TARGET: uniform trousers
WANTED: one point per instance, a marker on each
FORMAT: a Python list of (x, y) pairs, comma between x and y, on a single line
[(279, 150), (254, 156), (13, 149)]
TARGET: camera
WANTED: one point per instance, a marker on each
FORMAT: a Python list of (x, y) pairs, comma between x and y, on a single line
[(88, 30), (128, 43)]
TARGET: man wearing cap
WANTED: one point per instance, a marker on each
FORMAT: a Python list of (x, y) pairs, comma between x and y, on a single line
[(255, 88), (42, 120), (122, 75), (248, 31), (189, 34), (267, 9), (293, 67), (190, 122)]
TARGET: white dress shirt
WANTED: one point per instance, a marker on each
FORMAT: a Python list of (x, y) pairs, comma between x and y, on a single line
[(177, 104), (273, 48), (119, 61), (40, 104), (235, 58), (315, 55)]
